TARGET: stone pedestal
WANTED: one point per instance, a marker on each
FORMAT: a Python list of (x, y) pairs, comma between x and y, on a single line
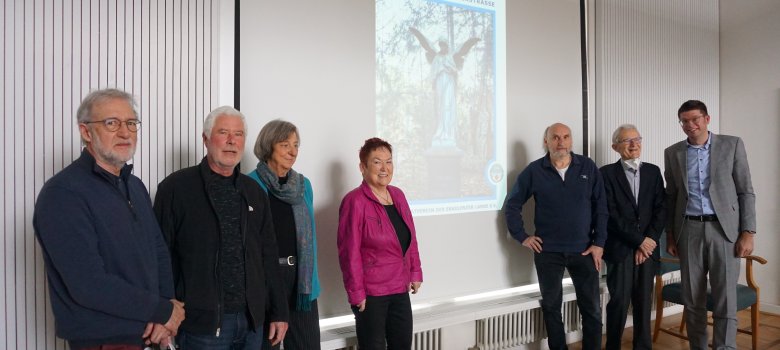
[(444, 171)]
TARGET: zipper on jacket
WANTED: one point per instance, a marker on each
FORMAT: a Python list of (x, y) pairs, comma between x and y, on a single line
[(219, 290), (217, 276), (132, 209), (244, 224)]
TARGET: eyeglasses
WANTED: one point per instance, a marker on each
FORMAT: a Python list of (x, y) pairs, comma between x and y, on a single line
[(629, 141), (694, 120), (113, 124)]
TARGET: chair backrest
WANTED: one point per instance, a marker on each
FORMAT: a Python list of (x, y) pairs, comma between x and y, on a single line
[(665, 266)]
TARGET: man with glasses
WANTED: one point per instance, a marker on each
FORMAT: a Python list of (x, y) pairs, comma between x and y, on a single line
[(711, 223), (635, 197), (108, 267)]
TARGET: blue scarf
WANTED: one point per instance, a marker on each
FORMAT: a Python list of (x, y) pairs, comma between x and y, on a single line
[(292, 194)]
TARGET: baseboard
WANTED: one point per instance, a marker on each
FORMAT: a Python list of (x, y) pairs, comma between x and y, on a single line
[(770, 308)]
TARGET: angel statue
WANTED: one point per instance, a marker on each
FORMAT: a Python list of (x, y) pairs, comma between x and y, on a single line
[(444, 76)]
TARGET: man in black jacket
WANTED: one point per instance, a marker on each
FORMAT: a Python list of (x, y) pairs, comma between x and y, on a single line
[(217, 223), (635, 196)]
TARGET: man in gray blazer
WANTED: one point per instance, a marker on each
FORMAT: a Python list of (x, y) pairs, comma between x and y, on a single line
[(711, 224)]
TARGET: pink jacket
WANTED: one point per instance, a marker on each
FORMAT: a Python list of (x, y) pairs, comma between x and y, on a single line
[(370, 255)]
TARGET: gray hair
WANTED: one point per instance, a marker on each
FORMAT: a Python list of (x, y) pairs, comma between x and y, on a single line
[(208, 124), (272, 133), (620, 129), (84, 113)]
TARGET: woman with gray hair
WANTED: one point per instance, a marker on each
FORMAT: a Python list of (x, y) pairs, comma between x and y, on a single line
[(291, 198)]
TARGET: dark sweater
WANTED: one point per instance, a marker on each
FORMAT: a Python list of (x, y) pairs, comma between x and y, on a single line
[(284, 225), (107, 265), (227, 205), (569, 215)]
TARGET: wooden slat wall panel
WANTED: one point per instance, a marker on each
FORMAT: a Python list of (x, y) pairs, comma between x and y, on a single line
[(650, 57), (54, 53)]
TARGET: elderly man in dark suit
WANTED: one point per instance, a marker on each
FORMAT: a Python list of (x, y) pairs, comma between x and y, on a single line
[(635, 196), (711, 223)]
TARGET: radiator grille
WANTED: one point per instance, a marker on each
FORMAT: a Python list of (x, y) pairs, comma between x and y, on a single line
[(425, 340), (522, 327)]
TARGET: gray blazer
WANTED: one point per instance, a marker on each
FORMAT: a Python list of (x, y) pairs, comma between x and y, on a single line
[(731, 189)]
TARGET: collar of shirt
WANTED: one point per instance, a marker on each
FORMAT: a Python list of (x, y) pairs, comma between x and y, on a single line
[(546, 162), (631, 164), (705, 146), (213, 176)]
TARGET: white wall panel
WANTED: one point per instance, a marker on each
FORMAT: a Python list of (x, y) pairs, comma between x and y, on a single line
[(56, 52), (651, 56)]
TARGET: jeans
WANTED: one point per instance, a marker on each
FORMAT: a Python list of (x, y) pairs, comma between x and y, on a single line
[(234, 334), (585, 277), (387, 317)]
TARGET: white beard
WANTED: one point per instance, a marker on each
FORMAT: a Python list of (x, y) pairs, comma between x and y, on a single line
[(108, 155)]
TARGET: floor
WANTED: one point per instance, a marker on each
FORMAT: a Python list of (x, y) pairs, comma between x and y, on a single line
[(769, 338)]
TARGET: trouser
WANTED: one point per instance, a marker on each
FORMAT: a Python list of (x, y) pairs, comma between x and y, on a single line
[(304, 326), (704, 250), (385, 318), (629, 284), (585, 277), (235, 334)]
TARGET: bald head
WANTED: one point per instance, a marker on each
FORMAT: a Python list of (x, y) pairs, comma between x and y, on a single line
[(558, 140)]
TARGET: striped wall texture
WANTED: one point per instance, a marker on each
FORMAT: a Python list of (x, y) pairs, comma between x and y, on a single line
[(54, 53), (651, 56)]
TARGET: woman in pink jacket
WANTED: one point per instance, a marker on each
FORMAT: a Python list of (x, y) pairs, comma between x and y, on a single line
[(378, 253)]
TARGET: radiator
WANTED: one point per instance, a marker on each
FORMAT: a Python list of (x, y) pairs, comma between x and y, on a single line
[(425, 340), (524, 327), (513, 330)]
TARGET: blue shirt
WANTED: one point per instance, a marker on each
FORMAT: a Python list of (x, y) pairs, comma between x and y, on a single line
[(570, 214), (698, 166), (632, 175)]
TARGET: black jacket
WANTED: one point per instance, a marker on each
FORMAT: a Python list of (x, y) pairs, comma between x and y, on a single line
[(629, 223), (190, 226)]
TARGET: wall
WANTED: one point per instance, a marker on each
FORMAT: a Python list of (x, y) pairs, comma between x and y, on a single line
[(650, 57), (750, 108), (54, 53)]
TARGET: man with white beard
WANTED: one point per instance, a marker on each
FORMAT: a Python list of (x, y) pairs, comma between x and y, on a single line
[(108, 267)]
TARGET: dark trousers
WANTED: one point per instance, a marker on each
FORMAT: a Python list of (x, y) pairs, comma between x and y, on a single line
[(629, 284), (304, 326), (236, 333), (549, 271), (387, 317)]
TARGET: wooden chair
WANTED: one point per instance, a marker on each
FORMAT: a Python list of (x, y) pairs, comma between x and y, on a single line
[(747, 296)]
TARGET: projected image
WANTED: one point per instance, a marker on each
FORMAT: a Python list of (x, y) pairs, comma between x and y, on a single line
[(440, 100)]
